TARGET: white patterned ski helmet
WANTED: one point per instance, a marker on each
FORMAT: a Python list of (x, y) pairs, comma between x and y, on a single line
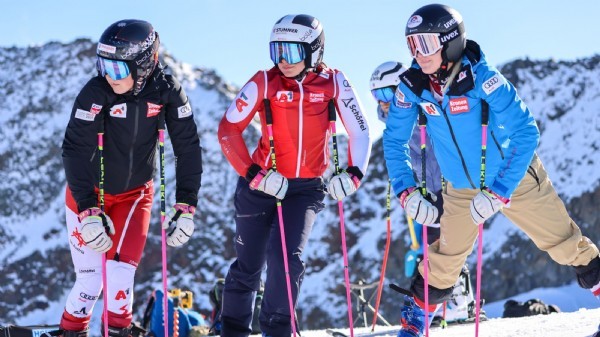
[(386, 75), (302, 29)]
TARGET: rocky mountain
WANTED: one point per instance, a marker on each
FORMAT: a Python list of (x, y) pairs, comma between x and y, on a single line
[(38, 86)]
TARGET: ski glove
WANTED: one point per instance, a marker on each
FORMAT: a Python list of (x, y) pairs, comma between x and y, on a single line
[(345, 183), (270, 182), (96, 227), (485, 204), (179, 224), (418, 207)]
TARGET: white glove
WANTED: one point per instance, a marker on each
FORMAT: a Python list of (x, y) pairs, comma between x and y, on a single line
[(270, 182), (485, 204), (94, 227), (418, 207), (342, 185), (179, 224)]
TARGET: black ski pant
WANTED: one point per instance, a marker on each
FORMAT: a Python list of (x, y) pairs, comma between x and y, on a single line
[(257, 242)]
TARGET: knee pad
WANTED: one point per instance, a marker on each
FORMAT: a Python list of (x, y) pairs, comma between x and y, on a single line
[(84, 293), (120, 277)]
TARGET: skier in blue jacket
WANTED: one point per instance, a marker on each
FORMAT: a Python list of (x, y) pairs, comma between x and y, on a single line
[(384, 81), (451, 82)]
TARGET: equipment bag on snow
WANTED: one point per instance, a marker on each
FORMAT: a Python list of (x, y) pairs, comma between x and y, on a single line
[(29, 331), (216, 300), (188, 319)]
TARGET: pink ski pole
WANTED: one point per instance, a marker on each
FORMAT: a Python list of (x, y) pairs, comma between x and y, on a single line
[(336, 163), (163, 234), (269, 120), (422, 124), (484, 126), (101, 195)]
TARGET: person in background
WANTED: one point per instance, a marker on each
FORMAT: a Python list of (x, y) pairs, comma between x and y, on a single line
[(126, 100), (451, 81), (297, 92), (384, 81)]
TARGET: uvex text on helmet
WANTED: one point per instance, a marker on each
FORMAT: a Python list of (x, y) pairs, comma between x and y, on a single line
[(445, 21), (386, 75), (133, 41), (304, 29)]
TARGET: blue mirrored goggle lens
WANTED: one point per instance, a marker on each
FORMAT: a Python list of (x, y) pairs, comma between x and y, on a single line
[(117, 70), (384, 95), (289, 51)]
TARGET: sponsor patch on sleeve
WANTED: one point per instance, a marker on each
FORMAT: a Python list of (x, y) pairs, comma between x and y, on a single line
[(244, 103), (492, 84), (85, 115), (184, 110)]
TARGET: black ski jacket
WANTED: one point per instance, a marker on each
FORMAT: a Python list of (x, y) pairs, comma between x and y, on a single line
[(130, 126)]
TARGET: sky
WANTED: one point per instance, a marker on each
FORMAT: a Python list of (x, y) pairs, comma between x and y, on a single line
[(232, 36)]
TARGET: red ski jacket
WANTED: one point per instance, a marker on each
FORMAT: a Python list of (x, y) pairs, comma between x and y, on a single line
[(300, 123)]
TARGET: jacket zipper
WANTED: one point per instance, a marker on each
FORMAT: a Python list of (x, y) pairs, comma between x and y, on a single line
[(462, 159), (300, 125), (131, 148)]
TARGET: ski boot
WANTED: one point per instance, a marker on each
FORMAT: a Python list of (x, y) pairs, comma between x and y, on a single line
[(413, 319), (70, 333), (116, 332), (597, 334)]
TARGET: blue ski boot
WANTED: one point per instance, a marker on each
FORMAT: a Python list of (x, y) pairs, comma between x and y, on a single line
[(413, 319)]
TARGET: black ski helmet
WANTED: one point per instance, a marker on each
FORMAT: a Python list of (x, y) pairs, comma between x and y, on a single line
[(445, 21), (135, 42)]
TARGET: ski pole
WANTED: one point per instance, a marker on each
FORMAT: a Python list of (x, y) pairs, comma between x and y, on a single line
[(336, 163), (161, 154), (422, 125), (484, 126), (101, 197), (385, 254), (269, 120), (414, 243)]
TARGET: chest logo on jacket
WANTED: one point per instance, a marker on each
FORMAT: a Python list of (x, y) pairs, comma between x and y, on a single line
[(317, 97), (459, 105), (153, 109), (285, 96), (430, 109), (119, 111)]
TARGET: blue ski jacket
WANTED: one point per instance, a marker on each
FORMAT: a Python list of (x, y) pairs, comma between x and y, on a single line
[(454, 127)]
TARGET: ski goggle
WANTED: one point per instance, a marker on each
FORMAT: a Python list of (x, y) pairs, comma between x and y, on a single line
[(426, 44), (289, 51), (117, 70), (385, 94)]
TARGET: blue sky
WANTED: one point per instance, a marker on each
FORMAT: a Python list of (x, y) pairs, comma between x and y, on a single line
[(232, 36)]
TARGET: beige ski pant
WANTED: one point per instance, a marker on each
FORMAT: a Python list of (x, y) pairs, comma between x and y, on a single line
[(535, 209)]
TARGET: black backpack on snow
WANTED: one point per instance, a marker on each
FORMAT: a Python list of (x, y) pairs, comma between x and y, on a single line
[(216, 300), (532, 307)]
